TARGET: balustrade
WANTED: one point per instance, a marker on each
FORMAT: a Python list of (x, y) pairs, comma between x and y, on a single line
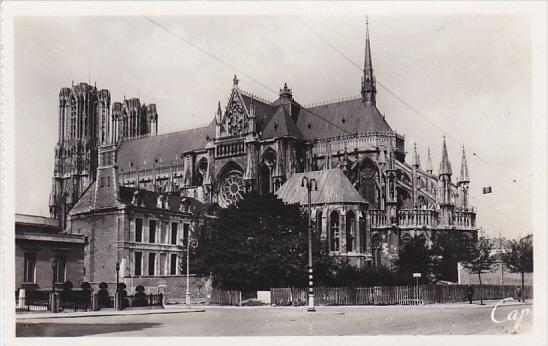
[(230, 148)]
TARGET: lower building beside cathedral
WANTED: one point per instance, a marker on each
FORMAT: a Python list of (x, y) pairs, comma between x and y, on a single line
[(128, 190)]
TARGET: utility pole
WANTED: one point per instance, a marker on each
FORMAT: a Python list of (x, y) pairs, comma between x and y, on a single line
[(310, 183)]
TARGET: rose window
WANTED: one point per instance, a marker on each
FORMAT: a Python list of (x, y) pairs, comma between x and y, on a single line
[(232, 188)]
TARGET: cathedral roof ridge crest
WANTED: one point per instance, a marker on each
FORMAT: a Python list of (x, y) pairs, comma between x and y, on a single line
[(337, 100)]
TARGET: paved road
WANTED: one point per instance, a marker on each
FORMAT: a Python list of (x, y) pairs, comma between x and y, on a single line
[(260, 321)]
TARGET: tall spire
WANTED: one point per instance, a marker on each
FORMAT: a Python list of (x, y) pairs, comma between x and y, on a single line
[(369, 88), (464, 177), (445, 165), (429, 168)]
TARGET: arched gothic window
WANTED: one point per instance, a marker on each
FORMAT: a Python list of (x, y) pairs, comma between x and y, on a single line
[(334, 231), (350, 231), (376, 249), (319, 216)]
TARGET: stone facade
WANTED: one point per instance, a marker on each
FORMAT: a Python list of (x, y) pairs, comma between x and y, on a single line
[(256, 144), (39, 243)]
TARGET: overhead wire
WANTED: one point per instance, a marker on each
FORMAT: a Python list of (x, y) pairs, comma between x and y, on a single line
[(243, 73)]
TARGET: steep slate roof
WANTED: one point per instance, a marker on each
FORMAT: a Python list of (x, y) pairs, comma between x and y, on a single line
[(281, 124), (146, 199), (358, 118), (333, 187), (165, 148)]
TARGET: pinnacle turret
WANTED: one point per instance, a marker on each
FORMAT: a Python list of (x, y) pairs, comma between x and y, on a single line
[(445, 165), (429, 168), (464, 177), (416, 158)]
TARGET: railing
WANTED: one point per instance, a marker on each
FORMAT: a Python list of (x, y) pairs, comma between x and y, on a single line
[(394, 295), (464, 219), (140, 299), (34, 300), (417, 218), (230, 148), (75, 299), (378, 218)]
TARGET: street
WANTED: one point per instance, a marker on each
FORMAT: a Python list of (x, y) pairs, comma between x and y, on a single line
[(456, 319)]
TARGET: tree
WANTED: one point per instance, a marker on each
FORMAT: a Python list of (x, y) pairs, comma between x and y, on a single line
[(480, 260), (520, 259), (414, 257), (257, 244), (449, 248)]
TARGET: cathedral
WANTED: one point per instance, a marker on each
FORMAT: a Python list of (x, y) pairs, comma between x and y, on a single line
[(371, 198)]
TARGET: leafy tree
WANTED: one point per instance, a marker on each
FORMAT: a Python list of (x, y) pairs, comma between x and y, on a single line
[(257, 244), (449, 248), (520, 259), (414, 257), (480, 260)]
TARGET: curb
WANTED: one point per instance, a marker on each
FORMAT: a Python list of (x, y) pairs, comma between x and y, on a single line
[(87, 314)]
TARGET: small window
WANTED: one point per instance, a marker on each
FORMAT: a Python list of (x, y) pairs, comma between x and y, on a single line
[(173, 264), (151, 263), (139, 230), (138, 263), (30, 267), (174, 233), (152, 231)]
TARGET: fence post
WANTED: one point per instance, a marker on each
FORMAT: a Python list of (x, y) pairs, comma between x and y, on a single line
[(21, 300)]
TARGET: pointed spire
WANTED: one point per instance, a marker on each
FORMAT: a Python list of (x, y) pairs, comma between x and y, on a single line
[(464, 177), (219, 112), (429, 168), (416, 159), (445, 165), (368, 80)]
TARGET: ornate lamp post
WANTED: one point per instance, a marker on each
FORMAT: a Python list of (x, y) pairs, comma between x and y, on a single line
[(194, 244), (310, 184)]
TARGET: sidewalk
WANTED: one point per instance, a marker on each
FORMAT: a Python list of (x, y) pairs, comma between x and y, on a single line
[(179, 309)]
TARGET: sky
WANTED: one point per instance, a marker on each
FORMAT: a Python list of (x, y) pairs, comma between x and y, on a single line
[(468, 75)]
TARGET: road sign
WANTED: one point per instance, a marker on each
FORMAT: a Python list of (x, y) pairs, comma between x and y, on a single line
[(417, 275)]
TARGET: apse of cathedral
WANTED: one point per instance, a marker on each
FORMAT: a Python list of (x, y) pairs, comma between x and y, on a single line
[(369, 199)]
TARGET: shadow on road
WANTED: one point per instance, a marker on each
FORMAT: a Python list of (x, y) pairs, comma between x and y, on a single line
[(62, 329)]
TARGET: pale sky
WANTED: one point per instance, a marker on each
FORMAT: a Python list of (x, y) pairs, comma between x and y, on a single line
[(469, 74)]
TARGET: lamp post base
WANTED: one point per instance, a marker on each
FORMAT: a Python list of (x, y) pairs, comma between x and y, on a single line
[(187, 298)]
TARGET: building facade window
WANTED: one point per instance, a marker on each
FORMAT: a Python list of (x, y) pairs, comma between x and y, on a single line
[(138, 260), (334, 231), (152, 231), (30, 268), (173, 264), (60, 274), (138, 230), (151, 263), (174, 232), (350, 231)]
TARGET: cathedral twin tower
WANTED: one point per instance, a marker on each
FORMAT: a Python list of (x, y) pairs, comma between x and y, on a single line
[(87, 121)]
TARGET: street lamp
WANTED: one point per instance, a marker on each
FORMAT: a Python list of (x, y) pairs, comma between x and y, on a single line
[(310, 183), (194, 244)]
